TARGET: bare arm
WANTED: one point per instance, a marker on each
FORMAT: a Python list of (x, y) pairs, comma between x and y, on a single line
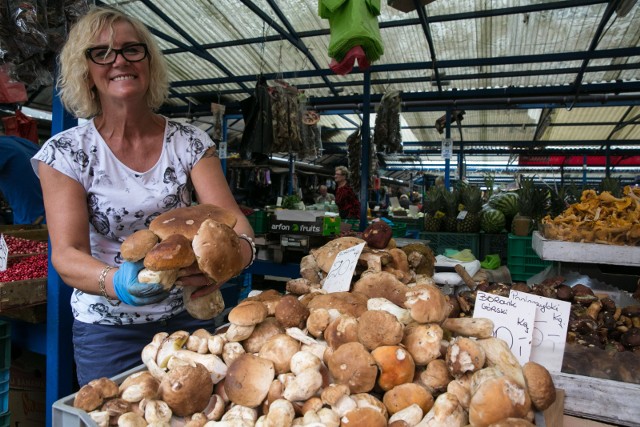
[(65, 203)]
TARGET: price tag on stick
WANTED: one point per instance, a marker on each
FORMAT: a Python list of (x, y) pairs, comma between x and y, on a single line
[(549, 330), (4, 253), (341, 273), (513, 321)]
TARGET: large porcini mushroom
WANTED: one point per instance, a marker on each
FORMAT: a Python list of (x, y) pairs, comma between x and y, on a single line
[(420, 258), (341, 330), (279, 349), (248, 380), (405, 395), (261, 333), (427, 304), (87, 398), (497, 399), (351, 303), (379, 328), (363, 417), (291, 313), (136, 246), (248, 313), (464, 355), (173, 253), (539, 385), (396, 366), (382, 285), (326, 254), (377, 235), (353, 365), (217, 250), (187, 220), (186, 389), (446, 411), (422, 341)]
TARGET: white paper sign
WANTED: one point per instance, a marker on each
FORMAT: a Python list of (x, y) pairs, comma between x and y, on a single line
[(4, 253), (395, 204), (447, 148), (549, 331), (513, 321), (341, 273), (222, 150)]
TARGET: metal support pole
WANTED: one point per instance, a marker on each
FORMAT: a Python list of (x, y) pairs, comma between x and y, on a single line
[(366, 150), (447, 161), (223, 162)]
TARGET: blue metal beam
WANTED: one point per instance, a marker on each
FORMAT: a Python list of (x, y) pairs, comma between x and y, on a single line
[(422, 16)]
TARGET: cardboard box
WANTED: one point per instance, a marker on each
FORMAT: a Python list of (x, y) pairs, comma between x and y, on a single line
[(310, 223), (27, 390)]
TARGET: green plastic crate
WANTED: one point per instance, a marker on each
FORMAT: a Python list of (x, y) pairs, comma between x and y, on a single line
[(440, 241), (399, 230), (259, 221), (330, 225), (411, 223), (491, 244), (522, 261)]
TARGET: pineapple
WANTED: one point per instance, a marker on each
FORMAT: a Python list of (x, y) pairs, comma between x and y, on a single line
[(434, 206), (472, 201), (532, 205), (450, 221)]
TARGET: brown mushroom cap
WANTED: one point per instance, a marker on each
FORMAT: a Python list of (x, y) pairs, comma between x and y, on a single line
[(291, 313), (279, 349), (217, 249), (497, 399), (204, 308), (187, 389), (136, 245), (351, 303), (427, 304), (396, 366), (172, 253), (378, 328), (464, 355), (363, 417), (106, 387), (248, 380), (540, 385), (187, 220), (261, 333), (325, 255), (341, 330), (435, 377), (405, 395), (423, 342), (248, 313), (377, 235), (318, 321), (513, 422), (88, 398), (382, 284), (351, 364), (270, 298)]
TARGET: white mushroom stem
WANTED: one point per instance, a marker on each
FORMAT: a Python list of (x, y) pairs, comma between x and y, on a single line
[(403, 315), (411, 415), (281, 413), (215, 408), (317, 349), (303, 386), (239, 412), (156, 411), (298, 334), (329, 418), (216, 367), (216, 344), (238, 332), (101, 418), (149, 353), (167, 278), (170, 346), (231, 351), (131, 419), (304, 360), (198, 341)]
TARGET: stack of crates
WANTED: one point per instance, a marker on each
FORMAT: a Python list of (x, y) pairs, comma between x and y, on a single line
[(523, 262), (494, 244), (259, 221), (5, 365), (439, 242)]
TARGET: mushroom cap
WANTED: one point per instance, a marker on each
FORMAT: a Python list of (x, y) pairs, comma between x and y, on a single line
[(353, 365), (136, 245), (423, 342), (270, 298), (88, 398), (261, 333), (279, 349), (341, 330), (351, 303), (248, 313), (464, 355), (363, 417), (326, 254), (382, 284), (217, 250), (378, 328), (405, 395), (187, 220), (318, 321), (427, 304), (172, 253), (497, 399), (395, 364), (248, 380), (187, 389), (377, 235), (291, 313), (540, 385), (204, 308), (105, 386), (513, 422), (138, 386), (435, 377), (420, 258)]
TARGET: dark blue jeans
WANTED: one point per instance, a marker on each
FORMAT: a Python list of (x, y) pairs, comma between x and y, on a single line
[(108, 350)]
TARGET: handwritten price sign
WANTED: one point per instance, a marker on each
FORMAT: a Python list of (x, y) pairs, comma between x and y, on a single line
[(341, 273), (4, 253), (513, 321), (549, 331)]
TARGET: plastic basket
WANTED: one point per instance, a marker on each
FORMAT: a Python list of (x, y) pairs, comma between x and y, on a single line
[(5, 345), (439, 242), (494, 244), (259, 221), (522, 260)]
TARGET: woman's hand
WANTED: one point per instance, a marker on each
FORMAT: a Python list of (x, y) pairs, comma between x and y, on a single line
[(192, 276), (132, 292)]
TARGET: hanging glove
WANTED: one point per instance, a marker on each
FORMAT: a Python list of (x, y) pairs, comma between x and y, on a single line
[(130, 291)]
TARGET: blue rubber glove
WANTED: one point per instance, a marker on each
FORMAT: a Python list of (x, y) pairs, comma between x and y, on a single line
[(132, 292)]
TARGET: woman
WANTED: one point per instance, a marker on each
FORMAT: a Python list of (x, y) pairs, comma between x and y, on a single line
[(106, 179), (346, 199)]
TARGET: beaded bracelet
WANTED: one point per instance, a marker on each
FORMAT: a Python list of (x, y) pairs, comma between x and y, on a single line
[(101, 286), (253, 248)]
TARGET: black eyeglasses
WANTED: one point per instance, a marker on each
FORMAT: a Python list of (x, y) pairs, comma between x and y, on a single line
[(102, 55)]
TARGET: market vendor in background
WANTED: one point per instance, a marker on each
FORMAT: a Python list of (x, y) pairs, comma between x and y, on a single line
[(324, 196), (18, 183), (110, 177), (346, 199)]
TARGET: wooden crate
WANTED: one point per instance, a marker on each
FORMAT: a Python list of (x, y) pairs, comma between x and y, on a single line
[(26, 231), (22, 293)]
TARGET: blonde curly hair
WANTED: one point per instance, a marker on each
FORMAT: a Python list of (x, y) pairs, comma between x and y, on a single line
[(72, 82)]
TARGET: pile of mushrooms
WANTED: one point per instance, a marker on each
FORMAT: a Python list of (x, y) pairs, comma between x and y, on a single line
[(385, 353), (199, 235)]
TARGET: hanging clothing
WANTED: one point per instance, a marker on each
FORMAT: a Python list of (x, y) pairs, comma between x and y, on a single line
[(258, 123)]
